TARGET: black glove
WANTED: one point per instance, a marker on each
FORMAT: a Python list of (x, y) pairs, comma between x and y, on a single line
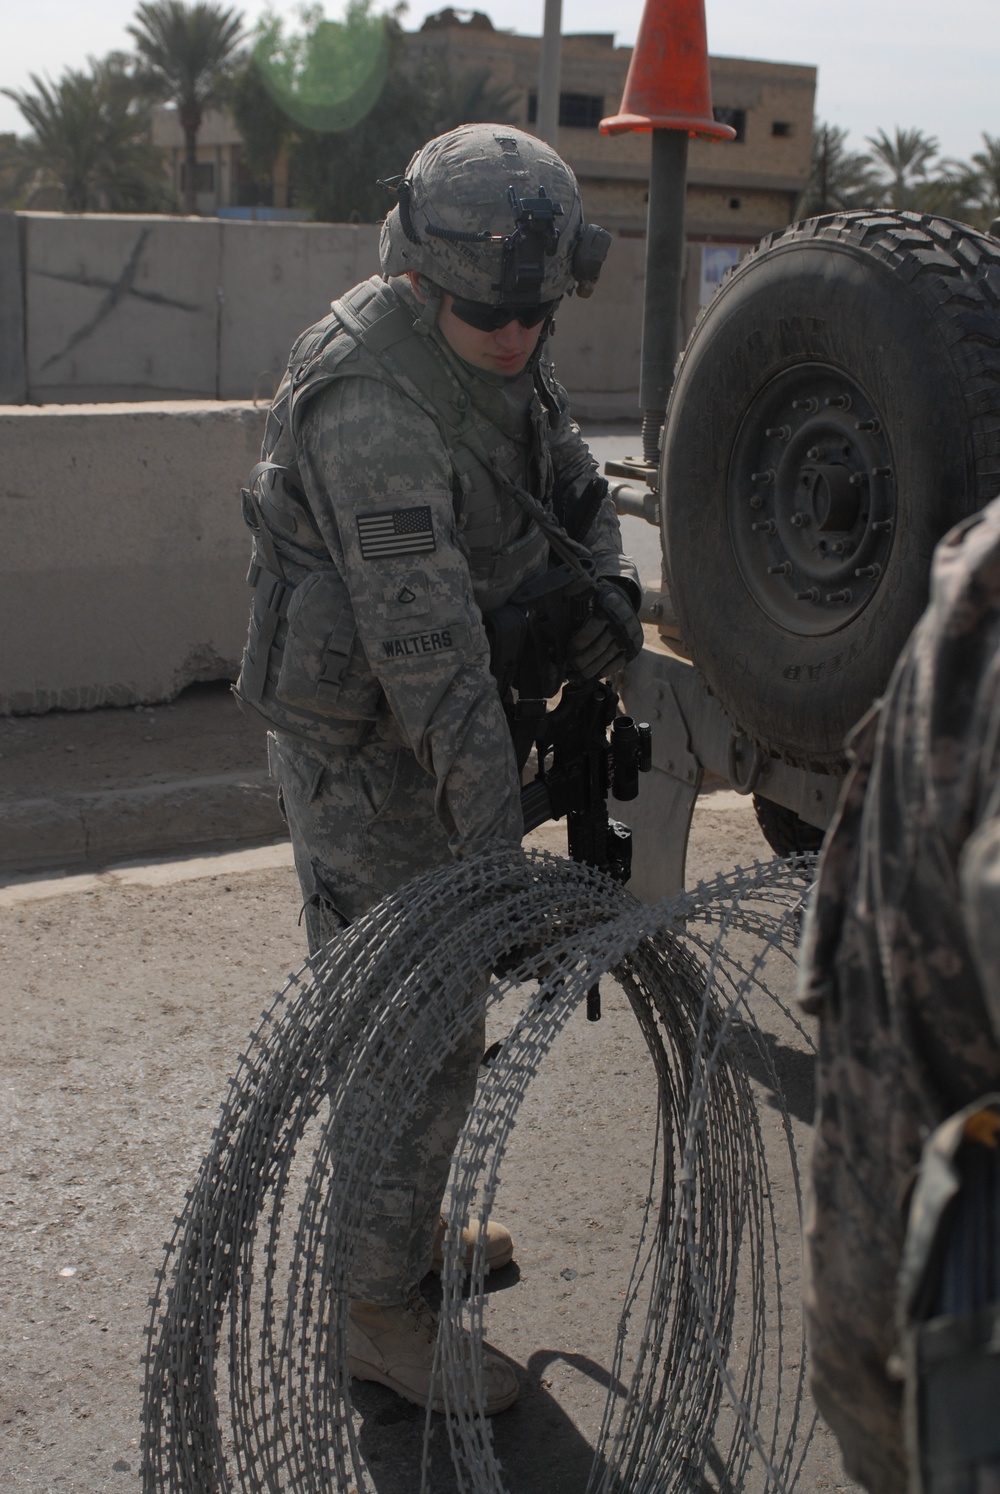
[(611, 636)]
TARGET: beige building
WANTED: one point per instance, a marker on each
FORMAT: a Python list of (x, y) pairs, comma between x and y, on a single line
[(223, 184)]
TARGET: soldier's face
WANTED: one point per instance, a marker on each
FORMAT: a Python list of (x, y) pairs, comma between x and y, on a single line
[(505, 351)]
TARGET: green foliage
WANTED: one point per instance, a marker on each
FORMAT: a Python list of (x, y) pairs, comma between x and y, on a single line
[(355, 106), (330, 77), (986, 165), (902, 172), (336, 174), (89, 142), (265, 127)]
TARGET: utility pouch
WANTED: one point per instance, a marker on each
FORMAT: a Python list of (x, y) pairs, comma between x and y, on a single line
[(271, 595), (323, 668), (949, 1307)]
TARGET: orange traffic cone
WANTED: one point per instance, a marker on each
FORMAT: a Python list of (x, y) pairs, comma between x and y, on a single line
[(668, 86)]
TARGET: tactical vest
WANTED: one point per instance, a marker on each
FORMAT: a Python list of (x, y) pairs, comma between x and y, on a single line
[(304, 668)]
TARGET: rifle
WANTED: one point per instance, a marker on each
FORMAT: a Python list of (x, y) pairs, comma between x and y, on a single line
[(578, 765)]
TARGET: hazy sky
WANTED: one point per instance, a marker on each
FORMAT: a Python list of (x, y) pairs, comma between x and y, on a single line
[(882, 63)]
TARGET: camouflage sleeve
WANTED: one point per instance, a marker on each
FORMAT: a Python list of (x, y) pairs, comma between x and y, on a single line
[(979, 869), (575, 467), (378, 480)]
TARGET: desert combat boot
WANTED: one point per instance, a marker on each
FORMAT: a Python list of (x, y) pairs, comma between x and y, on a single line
[(395, 1346), (498, 1250)]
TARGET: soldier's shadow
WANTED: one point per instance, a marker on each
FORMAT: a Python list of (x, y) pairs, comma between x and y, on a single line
[(538, 1447)]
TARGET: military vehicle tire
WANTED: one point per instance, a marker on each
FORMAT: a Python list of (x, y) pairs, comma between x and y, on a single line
[(836, 410), (787, 833)]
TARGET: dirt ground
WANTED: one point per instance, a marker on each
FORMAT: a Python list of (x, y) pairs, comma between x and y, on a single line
[(129, 995)]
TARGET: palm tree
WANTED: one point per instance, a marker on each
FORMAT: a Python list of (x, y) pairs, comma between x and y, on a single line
[(954, 191), (90, 139), (903, 161), (839, 179), (185, 50), (987, 164)]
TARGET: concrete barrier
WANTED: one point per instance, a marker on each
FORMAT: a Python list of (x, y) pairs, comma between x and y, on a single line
[(13, 383), (122, 307), (124, 556), (598, 340), (276, 280)]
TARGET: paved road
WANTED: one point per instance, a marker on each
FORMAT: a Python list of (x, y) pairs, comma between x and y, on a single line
[(129, 996)]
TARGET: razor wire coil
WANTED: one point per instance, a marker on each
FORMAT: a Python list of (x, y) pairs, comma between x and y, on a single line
[(246, 1372)]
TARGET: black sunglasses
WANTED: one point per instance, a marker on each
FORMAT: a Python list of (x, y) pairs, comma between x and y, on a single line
[(487, 318)]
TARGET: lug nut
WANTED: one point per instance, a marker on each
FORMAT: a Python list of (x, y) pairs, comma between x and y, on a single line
[(781, 431), (858, 479), (767, 476), (869, 570), (813, 453), (838, 401), (763, 526), (839, 596), (812, 595), (800, 520), (784, 569), (812, 405), (881, 472), (868, 425), (838, 547), (756, 501), (882, 526)]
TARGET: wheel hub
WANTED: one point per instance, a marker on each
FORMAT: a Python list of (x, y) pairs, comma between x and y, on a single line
[(811, 499)]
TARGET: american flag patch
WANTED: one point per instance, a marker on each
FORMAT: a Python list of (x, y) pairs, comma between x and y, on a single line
[(401, 531)]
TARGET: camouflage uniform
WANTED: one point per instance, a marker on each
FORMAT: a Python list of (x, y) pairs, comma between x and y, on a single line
[(901, 965), (390, 522)]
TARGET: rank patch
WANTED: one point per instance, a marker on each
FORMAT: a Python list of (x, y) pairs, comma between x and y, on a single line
[(400, 531), (407, 598)]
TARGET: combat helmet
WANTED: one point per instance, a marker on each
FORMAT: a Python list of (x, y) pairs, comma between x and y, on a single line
[(491, 214)]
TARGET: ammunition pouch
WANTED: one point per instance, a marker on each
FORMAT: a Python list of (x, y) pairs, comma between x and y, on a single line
[(304, 669)]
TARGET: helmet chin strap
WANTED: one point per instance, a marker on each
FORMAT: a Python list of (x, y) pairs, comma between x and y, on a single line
[(433, 297)]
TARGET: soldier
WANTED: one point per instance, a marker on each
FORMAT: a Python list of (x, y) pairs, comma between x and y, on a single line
[(419, 466), (902, 967)]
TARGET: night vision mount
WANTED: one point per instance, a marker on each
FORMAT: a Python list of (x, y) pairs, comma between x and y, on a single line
[(523, 253)]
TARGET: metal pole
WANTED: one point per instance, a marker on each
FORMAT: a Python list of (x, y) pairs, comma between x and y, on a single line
[(547, 114), (664, 275)]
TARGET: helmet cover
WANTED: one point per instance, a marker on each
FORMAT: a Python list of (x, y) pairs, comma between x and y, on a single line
[(491, 214)]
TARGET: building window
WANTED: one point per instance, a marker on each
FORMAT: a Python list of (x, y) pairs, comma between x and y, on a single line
[(204, 176), (577, 111), (737, 118), (781, 127)]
